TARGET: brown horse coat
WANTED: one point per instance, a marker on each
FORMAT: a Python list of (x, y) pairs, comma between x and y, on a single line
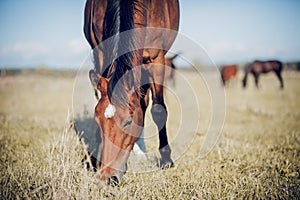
[(228, 72), (121, 125)]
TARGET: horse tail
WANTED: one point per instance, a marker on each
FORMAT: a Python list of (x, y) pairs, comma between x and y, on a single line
[(175, 56), (121, 48)]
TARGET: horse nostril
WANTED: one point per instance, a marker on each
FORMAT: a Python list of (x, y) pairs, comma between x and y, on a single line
[(113, 181)]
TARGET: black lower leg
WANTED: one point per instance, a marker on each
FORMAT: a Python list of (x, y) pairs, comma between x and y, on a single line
[(164, 150), (280, 79), (256, 80), (159, 114)]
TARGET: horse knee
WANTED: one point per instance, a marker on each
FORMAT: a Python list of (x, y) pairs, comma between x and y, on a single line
[(159, 114)]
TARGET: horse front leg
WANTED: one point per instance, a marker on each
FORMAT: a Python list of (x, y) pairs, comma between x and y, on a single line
[(159, 110), (256, 78), (245, 80)]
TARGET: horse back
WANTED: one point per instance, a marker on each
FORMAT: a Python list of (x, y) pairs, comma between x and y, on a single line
[(258, 67), (155, 13)]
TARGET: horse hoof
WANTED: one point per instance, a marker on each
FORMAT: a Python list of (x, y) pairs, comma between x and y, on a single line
[(165, 164)]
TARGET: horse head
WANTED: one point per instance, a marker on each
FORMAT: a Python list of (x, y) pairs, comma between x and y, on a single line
[(120, 127)]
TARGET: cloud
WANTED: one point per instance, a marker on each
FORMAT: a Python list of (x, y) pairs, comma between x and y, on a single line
[(24, 50), (71, 52), (225, 51), (78, 46), (230, 52)]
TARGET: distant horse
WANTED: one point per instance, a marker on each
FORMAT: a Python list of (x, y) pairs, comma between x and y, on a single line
[(125, 87), (170, 70), (263, 67), (228, 72)]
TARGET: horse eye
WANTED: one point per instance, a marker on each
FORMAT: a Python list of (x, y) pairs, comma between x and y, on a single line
[(127, 123)]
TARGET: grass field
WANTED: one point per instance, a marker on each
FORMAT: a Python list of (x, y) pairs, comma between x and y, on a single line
[(256, 156)]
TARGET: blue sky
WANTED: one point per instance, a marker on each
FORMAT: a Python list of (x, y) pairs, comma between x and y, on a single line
[(50, 32)]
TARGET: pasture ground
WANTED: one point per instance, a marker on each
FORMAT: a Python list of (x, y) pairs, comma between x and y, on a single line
[(257, 155)]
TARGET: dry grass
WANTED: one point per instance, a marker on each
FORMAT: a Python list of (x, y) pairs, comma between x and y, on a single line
[(257, 156)]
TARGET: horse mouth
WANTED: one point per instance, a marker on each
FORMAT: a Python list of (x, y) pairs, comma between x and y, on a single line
[(113, 181), (112, 176)]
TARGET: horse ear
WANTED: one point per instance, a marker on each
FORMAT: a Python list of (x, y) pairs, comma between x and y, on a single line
[(94, 78), (99, 83)]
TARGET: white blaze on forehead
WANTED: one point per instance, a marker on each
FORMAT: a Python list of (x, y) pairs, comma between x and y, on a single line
[(109, 111)]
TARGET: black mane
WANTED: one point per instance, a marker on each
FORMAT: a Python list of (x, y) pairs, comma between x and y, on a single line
[(120, 53)]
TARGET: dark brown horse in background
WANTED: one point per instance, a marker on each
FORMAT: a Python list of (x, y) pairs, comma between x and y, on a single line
[(125, 85), (263, 67), (228, 72)]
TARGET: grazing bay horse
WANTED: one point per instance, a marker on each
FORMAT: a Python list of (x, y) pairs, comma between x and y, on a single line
[(125, 78), (263, 67), (228, 72)]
